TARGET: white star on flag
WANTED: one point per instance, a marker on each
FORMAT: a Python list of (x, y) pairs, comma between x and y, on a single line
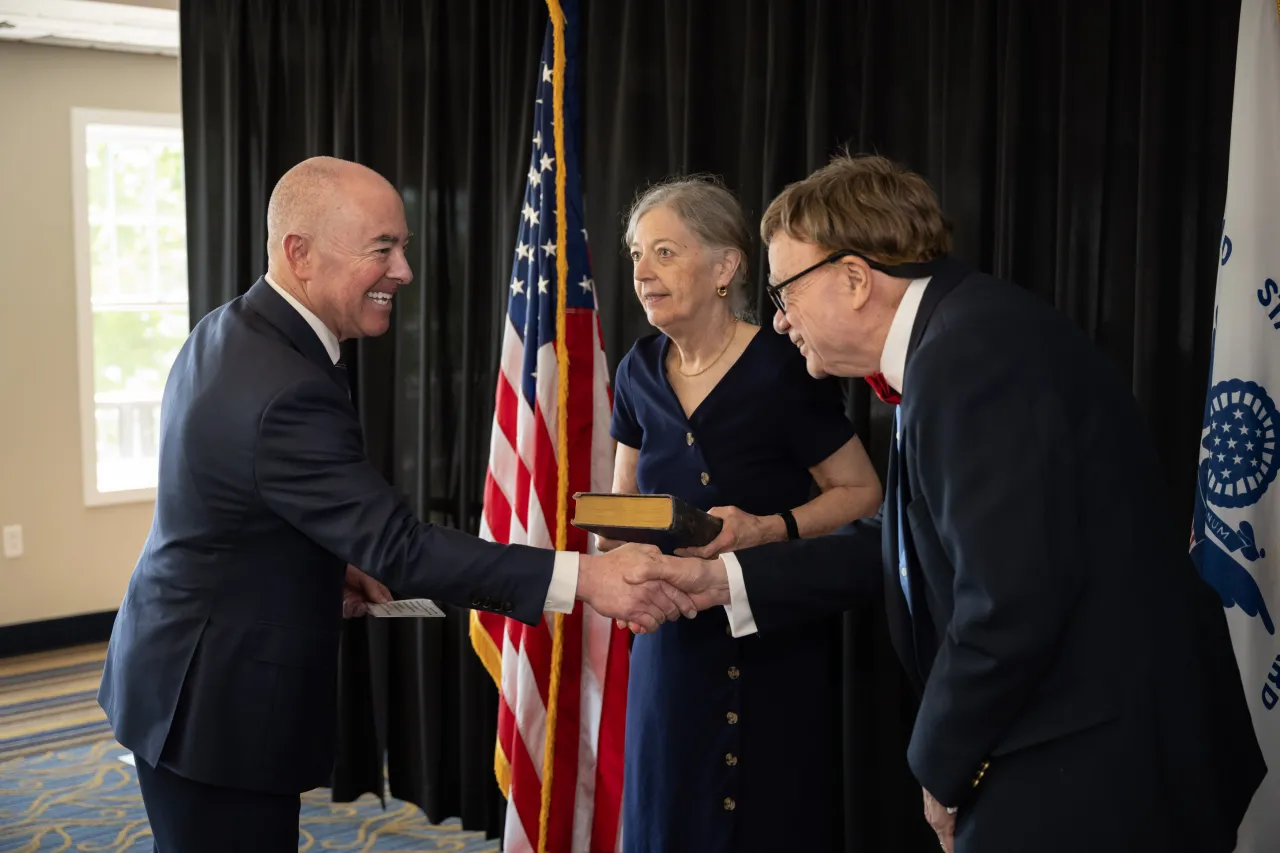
[(546, 74), (549, 247), (517, 286), (547, 162), (524, 250), (530, 214), (586, 284), (537, 139), (542, 284), (535, 177)]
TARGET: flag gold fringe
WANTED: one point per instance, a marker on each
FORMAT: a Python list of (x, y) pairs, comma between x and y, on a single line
[(491, 656)]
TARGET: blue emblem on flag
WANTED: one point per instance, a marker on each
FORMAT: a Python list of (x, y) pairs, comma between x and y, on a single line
[(1237, 464)]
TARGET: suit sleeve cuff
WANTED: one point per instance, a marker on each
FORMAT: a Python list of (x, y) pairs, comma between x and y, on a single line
[(563, 590), (741, 622)]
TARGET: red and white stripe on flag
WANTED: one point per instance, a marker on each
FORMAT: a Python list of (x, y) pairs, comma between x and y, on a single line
[(562, 682)]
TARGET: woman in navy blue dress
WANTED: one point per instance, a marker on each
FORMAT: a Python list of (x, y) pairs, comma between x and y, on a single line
[(731, 744)]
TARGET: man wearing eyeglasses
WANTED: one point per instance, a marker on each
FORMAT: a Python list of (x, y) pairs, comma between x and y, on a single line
[(1078, 689)]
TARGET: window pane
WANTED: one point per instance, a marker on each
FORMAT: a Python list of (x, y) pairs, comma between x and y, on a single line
[(133, 264), (133, 351), (168, 185), (102, 263), (172, 284), (131, 169)]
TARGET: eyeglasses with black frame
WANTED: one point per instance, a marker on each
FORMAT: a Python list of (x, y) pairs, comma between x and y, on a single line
[(911, 270), (775, 290)]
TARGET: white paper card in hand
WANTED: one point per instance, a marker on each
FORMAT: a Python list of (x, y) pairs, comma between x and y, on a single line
[(407, 607)]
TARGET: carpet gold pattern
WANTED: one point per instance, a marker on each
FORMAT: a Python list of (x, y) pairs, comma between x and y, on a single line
[(63, 786), (49, 700)]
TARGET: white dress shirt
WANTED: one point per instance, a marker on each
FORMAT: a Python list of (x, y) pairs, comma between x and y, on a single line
[(564, 574), (893, 364), (326, 335)]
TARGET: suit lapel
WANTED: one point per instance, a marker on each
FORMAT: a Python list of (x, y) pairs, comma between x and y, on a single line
[(263, 298), (910, 631), (943, 282)]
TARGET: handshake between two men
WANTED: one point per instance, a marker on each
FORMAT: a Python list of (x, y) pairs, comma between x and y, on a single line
[(636, 585), (640, 587)]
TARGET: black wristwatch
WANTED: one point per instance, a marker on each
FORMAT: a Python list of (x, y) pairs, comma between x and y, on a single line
[(793, 530)]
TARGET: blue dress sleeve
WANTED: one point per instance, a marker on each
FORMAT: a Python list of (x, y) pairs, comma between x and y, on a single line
[(815, 422), (625, 427)]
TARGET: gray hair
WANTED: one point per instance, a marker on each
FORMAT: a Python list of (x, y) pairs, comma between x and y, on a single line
[(710, 211)]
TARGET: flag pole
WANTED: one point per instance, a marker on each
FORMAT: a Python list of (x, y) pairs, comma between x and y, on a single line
[(562, 409)]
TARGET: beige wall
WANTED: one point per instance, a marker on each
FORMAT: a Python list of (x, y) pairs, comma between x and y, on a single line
[(77, 560), (154, 4)]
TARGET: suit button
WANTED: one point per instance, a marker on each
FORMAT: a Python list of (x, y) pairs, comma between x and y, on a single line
[(506, 607), (729, 804), (731, 717), (728, 629), (688, 438), (733, 672), (706, 478), (731, 759)]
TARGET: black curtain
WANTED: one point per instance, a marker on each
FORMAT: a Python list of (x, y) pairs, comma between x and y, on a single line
[(1078, 146)]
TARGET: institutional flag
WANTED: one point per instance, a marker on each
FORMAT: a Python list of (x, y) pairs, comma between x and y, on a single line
[(563, 682), (1236, 524)]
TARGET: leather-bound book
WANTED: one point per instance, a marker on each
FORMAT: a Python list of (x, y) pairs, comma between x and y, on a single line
[(662, 520)]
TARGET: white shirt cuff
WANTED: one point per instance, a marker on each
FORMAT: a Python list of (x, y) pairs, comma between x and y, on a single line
[(741, 622), (564, 583)]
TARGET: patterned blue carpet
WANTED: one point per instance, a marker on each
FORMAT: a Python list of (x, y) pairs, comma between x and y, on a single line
[(63, 786)]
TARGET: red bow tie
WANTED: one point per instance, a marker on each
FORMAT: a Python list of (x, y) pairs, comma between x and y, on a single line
[(883, 389)]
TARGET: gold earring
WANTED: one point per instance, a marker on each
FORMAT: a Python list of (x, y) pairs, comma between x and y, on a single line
[(723, 290)]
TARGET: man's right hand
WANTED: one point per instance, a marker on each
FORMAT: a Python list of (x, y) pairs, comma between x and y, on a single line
[(617, 584), (705, 582)]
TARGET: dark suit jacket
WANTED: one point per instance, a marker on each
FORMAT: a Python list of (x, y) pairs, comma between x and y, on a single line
[(1058, 629), (222, 661)]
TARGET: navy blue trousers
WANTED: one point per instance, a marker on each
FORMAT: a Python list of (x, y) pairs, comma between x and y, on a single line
[(191, 817)]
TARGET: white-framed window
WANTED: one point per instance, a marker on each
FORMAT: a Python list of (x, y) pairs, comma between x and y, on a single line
[(131, 288)]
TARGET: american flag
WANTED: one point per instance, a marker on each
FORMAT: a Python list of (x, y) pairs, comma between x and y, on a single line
[(563, 682)]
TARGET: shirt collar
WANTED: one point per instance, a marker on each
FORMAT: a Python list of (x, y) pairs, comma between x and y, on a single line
[(326, 335), (893, 359)]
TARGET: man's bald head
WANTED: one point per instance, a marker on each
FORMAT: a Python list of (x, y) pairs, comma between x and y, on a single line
[(308, 195), (336, 238)]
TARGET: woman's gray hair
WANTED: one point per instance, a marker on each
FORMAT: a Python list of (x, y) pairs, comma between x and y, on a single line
[(711, 212)]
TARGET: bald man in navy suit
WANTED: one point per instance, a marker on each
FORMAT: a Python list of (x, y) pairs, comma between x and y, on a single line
[(221, 671)]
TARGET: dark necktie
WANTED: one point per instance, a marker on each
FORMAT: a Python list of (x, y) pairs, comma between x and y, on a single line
[(902, 541), (883, 389), (340, 374)]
